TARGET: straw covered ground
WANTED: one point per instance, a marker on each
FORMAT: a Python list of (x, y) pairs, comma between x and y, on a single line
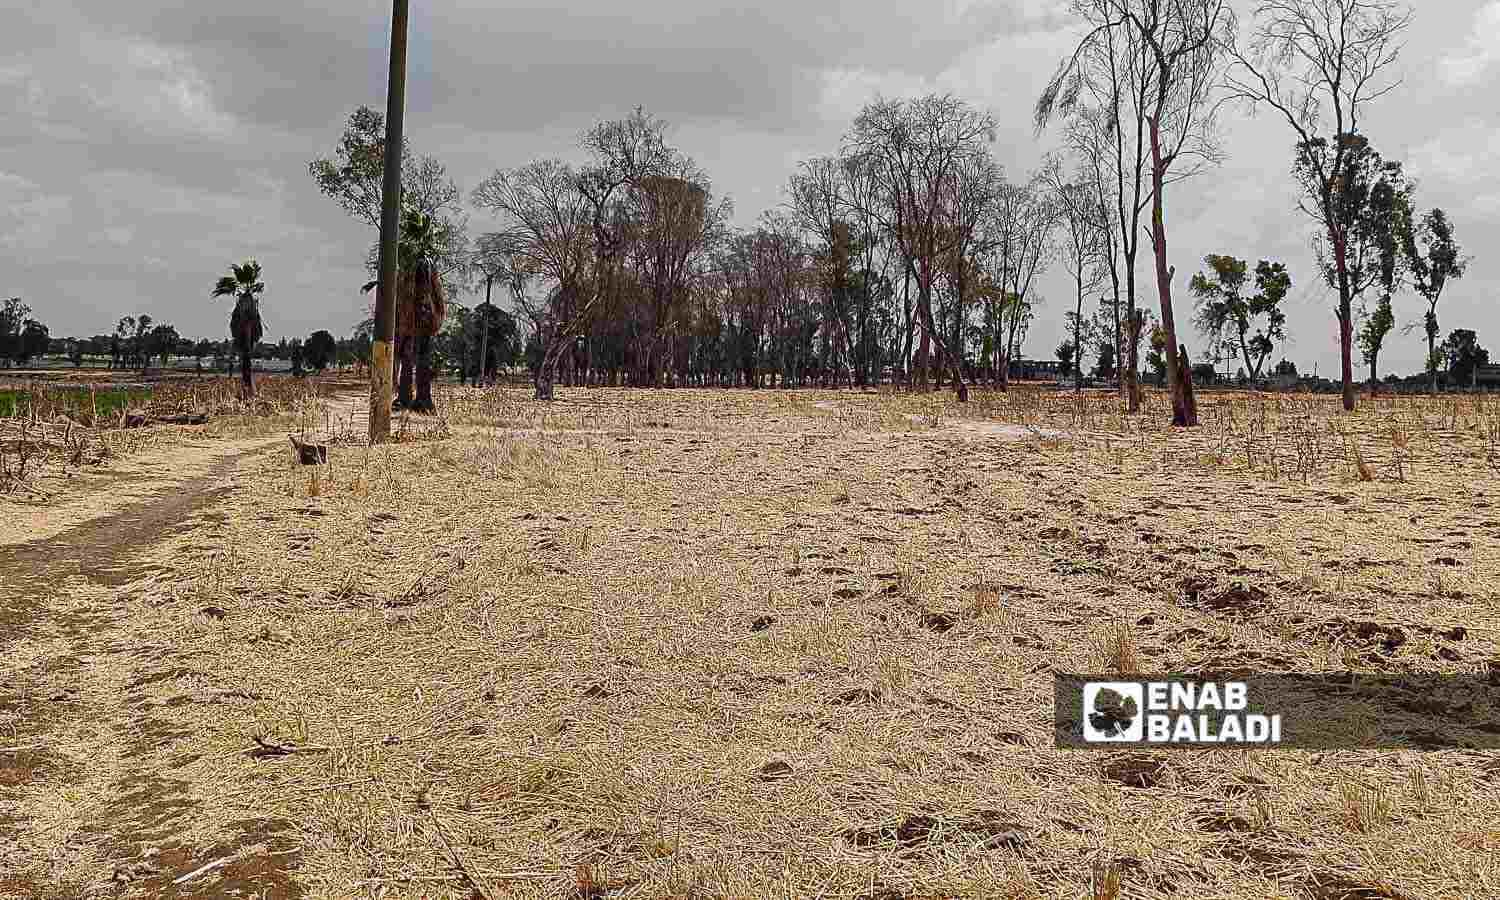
[(748, 644)]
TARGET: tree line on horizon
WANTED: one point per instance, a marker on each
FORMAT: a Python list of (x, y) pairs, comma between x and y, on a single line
[(909, 253)]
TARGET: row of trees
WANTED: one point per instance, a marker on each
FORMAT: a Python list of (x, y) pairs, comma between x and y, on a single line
[(907, 251), (22, 337), (1136, 103), (139, 342)]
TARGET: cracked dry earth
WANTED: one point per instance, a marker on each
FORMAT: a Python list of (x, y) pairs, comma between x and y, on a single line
[(735, 644), (89, 774)]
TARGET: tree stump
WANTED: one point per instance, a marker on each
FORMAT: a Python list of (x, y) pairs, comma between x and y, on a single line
[(309, 454)]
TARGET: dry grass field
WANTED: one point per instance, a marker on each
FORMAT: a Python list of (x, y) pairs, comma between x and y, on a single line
[(743, 644)]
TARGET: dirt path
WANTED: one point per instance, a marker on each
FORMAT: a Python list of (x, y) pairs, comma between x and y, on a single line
[(73, 704)]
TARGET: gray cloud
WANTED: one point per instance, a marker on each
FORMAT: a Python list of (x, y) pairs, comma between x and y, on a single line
[(146, 145)]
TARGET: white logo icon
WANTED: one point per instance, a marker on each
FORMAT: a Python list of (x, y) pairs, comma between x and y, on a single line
[(1113, 712)]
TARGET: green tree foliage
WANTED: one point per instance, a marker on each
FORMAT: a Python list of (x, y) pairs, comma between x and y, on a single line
[(1224, 314), (295, 354), (1433, 255), (1065, 353), (1372, 332), (1364, 209), (1105, 368), (501, 335), (201, 348), (245, 325), (1156, 357), (14, 314), (34, 341), (1464, 356), (319, 349), (161, 343), (354, 176)]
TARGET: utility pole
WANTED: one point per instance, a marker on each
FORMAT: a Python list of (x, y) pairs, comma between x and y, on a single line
[(382, 374)]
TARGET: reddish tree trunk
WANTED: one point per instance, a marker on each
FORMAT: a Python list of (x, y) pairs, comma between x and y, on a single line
[(1345, 315), (1179, 381), (1346, 355)]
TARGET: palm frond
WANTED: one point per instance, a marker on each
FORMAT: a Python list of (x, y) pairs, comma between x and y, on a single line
[(226, 287), (248, 272)]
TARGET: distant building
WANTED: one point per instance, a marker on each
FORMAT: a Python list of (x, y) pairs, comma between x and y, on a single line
[(1035, 369)]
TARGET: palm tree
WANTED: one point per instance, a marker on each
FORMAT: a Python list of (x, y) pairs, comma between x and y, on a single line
[(420, 307), (244, 284), (421, 292)]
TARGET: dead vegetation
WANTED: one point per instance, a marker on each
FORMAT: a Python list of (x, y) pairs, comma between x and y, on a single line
[(739, 644), (57, 432)]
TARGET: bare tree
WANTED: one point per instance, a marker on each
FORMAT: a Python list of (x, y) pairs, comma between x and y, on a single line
[(1095, 143), (969, 198), (1103, 93), (742, 264), (1319, 63), (496, 260), (817, 203), (549, 223), (1083, 251), (864, 203), (915, 147), (1024, 243), (624, 152), (675, 222), (1179, 46)]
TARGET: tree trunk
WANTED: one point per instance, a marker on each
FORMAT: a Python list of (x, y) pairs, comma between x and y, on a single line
[(909, 322), (546, 371), (1135, 323), (406, 359), (1432, 349), (945, 358), (544, 383), (484, 335), (424, 402), (1119, 343), (1078, 339), (1344, 314), (1179, 379), (245, 378), (1346, 354), (1250, 369), (1187, 378), (923, 350)]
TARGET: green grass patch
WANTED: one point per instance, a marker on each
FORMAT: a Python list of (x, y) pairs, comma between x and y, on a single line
[(75, 403)]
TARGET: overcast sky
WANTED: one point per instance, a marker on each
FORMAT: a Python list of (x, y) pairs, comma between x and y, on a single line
[(146, 145)]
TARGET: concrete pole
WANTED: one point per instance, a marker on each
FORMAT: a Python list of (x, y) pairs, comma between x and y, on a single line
[(382, 376)]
